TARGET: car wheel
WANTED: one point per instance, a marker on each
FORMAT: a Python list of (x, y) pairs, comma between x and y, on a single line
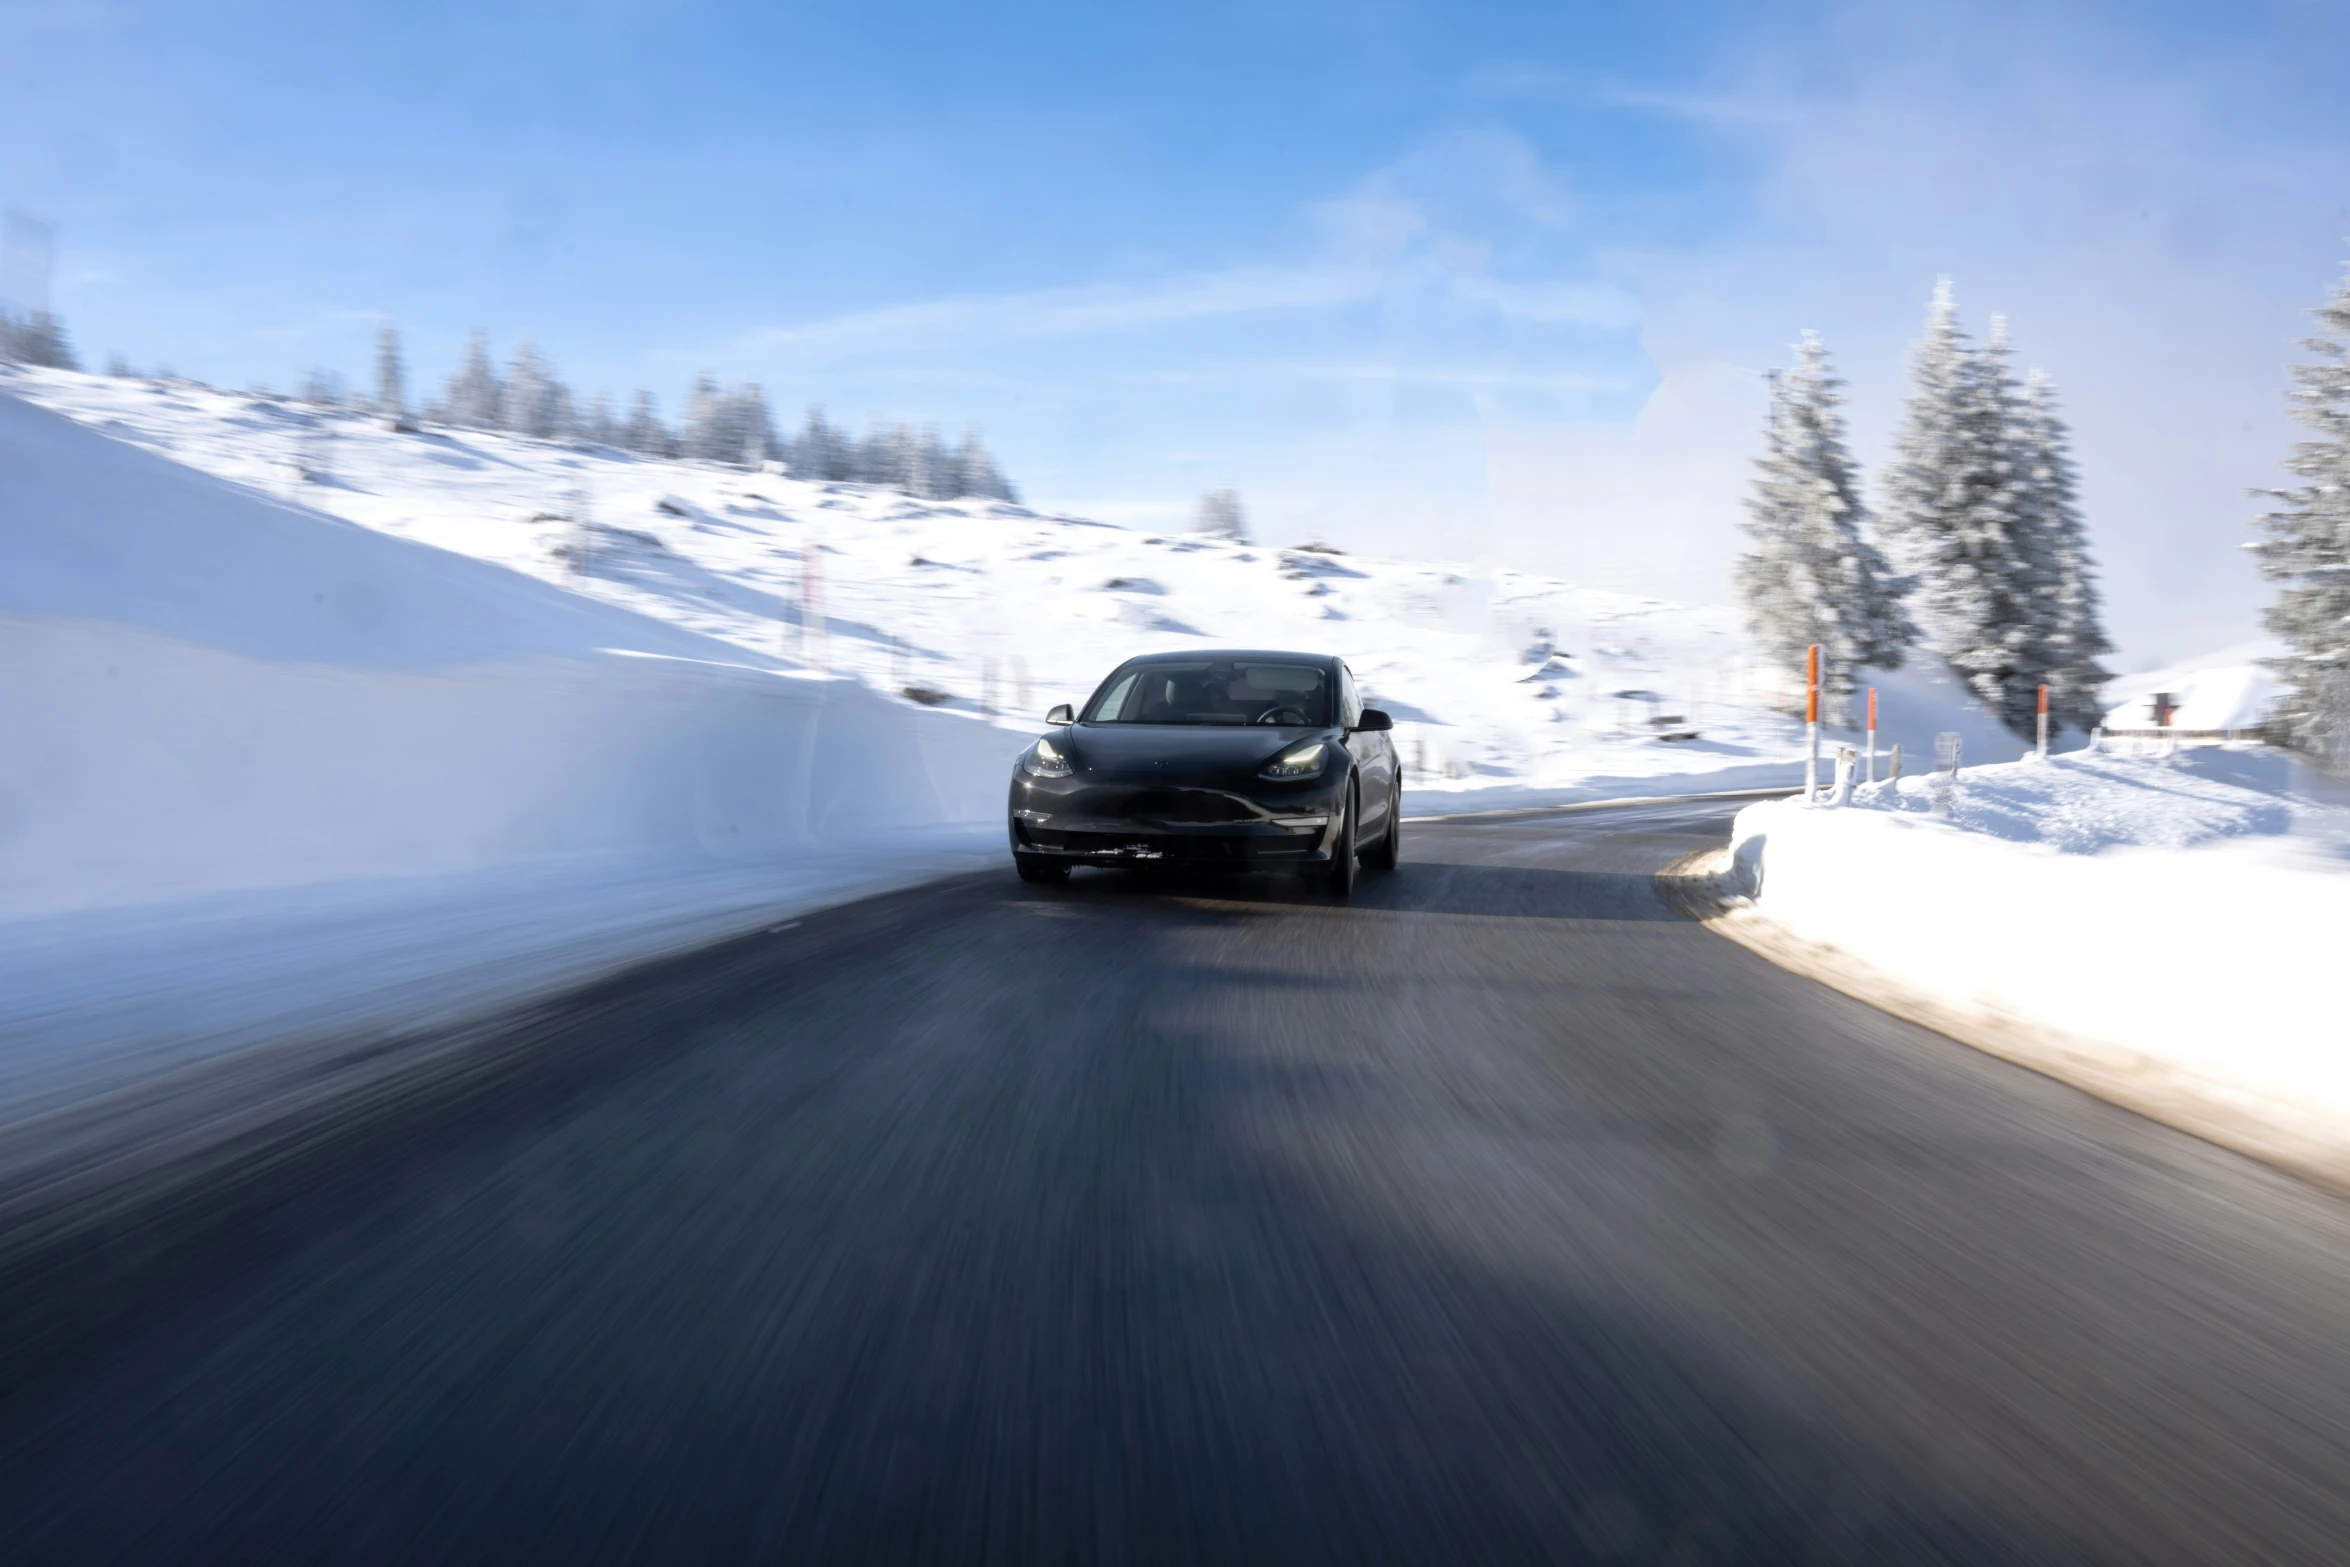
[(1038, 869), (1339, 879), (1381, 856)]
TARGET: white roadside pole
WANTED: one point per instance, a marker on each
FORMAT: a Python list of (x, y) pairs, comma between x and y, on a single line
[(2043, 745), (815, 643), (1872, 777), (1811, 725)]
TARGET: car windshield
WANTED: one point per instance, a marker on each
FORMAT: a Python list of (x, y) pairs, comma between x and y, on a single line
[(1214, 691)]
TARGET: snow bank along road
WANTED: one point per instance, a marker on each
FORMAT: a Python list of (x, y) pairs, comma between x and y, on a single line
[(1498, 1216)]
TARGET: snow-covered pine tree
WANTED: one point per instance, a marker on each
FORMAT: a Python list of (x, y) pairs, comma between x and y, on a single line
[(537, 402), (599, 426), (2307, 548), (704, 438), (645, 434), (2065, 597), (754, 427), (1220, 514), (391, 379), (886, 457), (822, 452), (1813, 576), (975, 472), (476, 399), (1954, 516), (36, 339)]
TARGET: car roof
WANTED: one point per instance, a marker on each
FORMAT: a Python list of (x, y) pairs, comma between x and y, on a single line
[(1255, 655)]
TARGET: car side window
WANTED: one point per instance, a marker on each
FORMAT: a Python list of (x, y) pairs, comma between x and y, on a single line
[(1107, 708), (1350, 706)]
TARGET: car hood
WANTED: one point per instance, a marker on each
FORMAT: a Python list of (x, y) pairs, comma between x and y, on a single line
[(1180, 753)]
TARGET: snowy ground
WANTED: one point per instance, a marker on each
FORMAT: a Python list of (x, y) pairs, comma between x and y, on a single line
[(2180, 913), (1499, 680), (318, 726), (2227, 689)]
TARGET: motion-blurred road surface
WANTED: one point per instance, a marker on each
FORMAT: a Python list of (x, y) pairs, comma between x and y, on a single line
[(1499, 1216)]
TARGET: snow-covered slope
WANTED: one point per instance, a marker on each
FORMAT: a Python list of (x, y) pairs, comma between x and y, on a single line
[(1501, 682), (2227, 689), (2175, 921), (269, 773)]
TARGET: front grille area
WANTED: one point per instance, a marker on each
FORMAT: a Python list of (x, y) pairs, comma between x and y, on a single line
[(1202, 807), (1170, 848)]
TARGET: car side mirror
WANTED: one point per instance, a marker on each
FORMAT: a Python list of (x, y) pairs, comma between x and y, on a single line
[(1061, 715), (1374, 721)]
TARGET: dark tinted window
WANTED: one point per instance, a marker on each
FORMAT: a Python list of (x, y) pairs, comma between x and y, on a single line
[(1215, 691)]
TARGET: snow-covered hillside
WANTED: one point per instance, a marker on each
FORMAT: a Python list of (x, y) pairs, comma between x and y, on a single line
[(2227, 689), (1502, 682)]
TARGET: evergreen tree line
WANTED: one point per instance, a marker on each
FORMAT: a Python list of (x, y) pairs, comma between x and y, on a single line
[(36, 339), (1979, 552), (2306, 547), (727, 425)]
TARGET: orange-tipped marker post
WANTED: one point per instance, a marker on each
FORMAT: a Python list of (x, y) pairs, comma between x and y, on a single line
[(1811, 723), (2043, 723), (1872, 778)]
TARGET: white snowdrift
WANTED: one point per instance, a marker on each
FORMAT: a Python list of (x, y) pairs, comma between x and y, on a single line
[(2186, 910), (240, 731), (2228, 689), (143, 767)]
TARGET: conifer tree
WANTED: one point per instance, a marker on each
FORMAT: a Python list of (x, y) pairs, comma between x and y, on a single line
[(1813, 576), (536, 403), (36, 339), (391, 379), (703, 438), (2306, 550), (599, 426), (1220, 515), (1955, 517), (476, 399), (822, 452), (974, 471), (2072, 635), (645, 434)]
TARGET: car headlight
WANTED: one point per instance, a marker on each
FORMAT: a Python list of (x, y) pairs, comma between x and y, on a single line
[(1299, 761), (1044, 760)]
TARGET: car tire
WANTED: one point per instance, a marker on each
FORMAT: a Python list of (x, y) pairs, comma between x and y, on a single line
[(1381, 856), (1035, 868), (1339, 879)]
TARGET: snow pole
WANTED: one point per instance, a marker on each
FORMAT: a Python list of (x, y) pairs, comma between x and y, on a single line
[(1811, 724), (1872, 777), (2043, 745)]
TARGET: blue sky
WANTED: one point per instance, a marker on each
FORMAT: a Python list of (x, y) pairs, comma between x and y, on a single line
[(1490, 281)]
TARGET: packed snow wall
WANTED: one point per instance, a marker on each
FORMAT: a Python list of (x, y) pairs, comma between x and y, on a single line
[(212, 689), (139, 766), (2184, 911)]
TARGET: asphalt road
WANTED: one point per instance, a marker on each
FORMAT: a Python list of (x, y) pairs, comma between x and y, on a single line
[(1497, 1216)]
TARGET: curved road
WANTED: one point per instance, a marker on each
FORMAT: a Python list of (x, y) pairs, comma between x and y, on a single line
[(1498, 1216)]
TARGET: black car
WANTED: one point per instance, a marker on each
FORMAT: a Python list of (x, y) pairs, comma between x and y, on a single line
[(1240, 761)]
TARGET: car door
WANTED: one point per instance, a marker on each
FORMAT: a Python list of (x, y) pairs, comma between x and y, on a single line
[(1374, 756)]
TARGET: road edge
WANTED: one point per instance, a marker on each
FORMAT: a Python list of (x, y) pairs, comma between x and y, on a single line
[(97, 1196), (1704, 886)]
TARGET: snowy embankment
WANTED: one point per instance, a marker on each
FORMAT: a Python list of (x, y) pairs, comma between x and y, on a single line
[(271, 773), (318, 726), (2163, 930), (1508, 688)]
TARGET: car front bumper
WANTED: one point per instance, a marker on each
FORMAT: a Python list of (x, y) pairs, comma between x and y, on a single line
[(1086, 821)]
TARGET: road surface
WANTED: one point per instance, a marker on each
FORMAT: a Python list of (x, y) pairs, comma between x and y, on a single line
[(1499, 1216)]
